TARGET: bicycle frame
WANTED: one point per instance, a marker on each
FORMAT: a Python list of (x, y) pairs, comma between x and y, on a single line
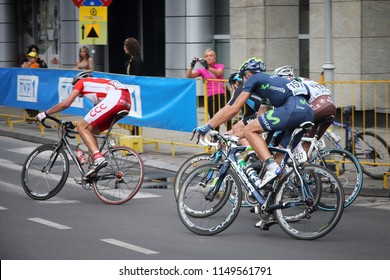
[(63, 142), (231, 160)]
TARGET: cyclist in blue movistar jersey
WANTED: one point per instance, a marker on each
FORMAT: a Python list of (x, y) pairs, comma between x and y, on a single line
[(254, 105), (290, 100)]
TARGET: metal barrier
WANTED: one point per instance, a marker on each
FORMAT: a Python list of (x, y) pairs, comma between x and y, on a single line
[(370, 100)]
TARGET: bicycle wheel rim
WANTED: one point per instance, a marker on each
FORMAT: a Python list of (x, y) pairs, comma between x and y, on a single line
[(185, 169), (206, 217), (347, 169), (372, 149), (122, 178), (42, 184), (309, 221)]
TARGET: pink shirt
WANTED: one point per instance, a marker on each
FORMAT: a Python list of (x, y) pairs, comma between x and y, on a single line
[(213, 87)]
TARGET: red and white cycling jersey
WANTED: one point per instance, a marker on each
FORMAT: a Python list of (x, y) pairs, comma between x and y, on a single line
[(109, 98), (96, 89)]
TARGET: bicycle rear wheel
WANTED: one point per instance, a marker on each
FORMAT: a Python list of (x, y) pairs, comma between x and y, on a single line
[(372, 148), (122, 178), (209, 217), (306, 219), (346, 167), (45, 172)]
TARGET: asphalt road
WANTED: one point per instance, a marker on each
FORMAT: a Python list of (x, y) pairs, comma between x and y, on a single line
[(76, 225)]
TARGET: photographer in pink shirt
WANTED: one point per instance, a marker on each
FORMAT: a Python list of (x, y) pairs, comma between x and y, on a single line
[(210, 70)]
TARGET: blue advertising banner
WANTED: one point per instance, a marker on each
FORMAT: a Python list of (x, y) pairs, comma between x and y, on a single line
[(167, 103)]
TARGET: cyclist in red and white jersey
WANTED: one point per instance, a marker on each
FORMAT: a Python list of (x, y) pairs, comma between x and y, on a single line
[(108, 96)]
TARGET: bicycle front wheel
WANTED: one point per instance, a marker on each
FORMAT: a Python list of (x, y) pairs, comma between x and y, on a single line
[(188, 166), (209, 216), (122, 178), (346, 167), (374, 153), (302, 216), (45, 172)]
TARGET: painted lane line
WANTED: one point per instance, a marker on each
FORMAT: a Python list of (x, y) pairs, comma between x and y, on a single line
[(129, 246), (48, 223), (3, 208), (56, 200), (19, 190)]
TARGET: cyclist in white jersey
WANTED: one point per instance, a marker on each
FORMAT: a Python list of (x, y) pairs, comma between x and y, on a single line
[(108, 96), (321, 101)]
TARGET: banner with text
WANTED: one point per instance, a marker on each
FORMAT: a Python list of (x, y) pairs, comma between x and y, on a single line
[(167, 103)]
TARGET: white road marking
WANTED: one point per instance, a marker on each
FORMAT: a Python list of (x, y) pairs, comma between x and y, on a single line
[(2, 208), (23, 151), (129, 246), (48, 223)]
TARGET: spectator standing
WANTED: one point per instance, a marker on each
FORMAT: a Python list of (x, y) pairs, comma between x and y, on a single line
[(215, 89), (85, 60), (134, 65)]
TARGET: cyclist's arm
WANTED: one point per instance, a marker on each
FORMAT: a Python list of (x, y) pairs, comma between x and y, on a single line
[(63, 104), (229, 111)]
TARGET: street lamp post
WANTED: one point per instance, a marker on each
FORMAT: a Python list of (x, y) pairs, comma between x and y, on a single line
[(328, 65)]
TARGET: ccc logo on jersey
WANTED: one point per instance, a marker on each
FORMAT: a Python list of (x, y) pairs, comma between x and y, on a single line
[(97, 110)]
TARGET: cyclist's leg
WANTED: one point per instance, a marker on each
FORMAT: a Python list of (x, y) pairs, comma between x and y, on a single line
[(99, 119)]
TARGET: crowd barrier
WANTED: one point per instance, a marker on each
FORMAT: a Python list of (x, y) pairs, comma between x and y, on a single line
[(171, 109)]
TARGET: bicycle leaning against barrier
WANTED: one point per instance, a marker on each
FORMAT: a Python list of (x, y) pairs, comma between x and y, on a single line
[(46, 169), (210, 198), (368, 147)]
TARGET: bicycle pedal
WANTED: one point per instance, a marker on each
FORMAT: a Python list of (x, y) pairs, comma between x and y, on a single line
[(78, 180)]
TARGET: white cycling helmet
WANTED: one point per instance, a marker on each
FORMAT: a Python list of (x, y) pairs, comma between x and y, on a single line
[(284, 71), (82, 75)]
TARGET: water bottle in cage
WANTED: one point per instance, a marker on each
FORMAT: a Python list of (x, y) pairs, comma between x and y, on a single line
[(333, 135), (253, 177), (242, 163)]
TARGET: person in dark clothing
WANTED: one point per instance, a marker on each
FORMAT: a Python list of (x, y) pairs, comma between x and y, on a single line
[(134, 66)]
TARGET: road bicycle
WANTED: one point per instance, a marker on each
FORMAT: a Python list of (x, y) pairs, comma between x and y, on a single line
[(221, 145), (46, 169), (210, 199), (369, 148), (343, 163)]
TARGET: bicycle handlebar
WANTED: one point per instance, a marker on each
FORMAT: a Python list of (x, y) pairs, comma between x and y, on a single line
[(50, 118), (68, 125), (221, 138)]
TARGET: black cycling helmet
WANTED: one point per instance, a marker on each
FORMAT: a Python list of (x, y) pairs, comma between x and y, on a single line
[(235, 77), (81, 75), (253, 65)]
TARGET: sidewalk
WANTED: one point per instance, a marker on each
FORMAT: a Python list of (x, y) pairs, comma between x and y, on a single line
[(161, 160)]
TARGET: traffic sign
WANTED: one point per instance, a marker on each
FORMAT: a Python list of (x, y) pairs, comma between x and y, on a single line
[(93, 13), (93, 25), (80, 3)]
